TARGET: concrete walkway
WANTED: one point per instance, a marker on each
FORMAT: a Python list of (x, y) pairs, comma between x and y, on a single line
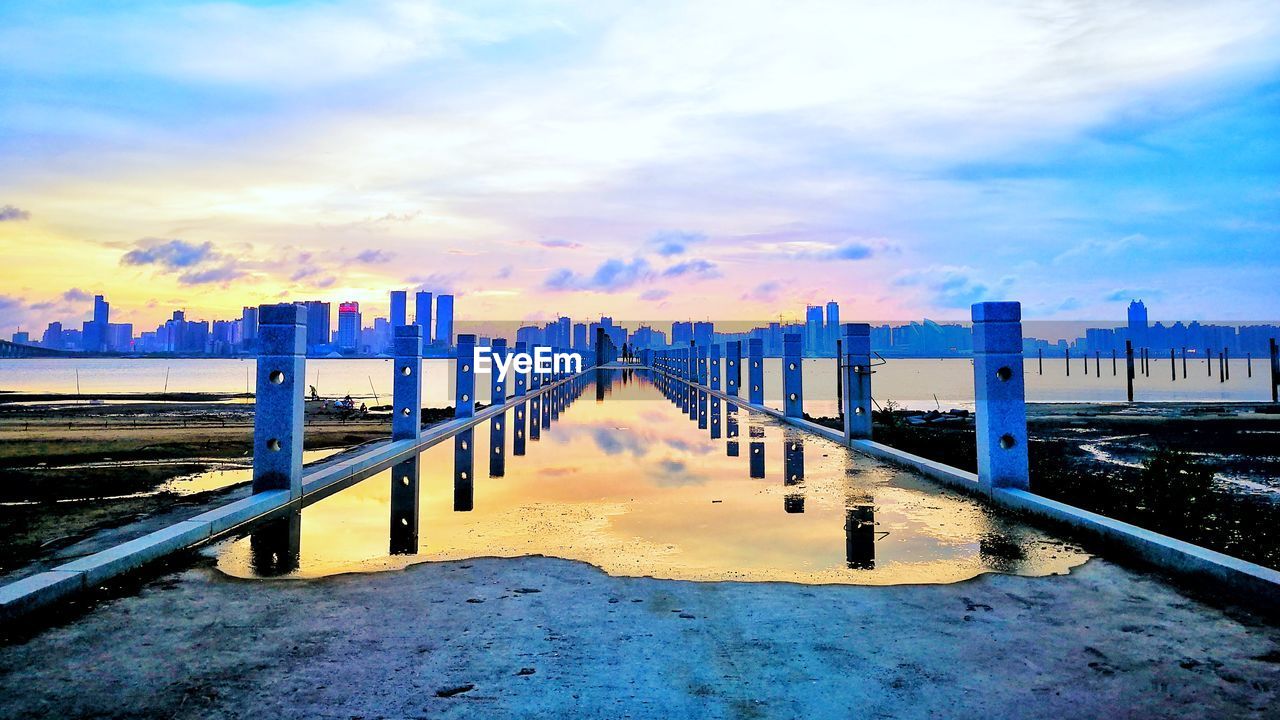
[(552, 638)]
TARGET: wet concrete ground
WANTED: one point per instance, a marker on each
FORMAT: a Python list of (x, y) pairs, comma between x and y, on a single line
[(543, 637)]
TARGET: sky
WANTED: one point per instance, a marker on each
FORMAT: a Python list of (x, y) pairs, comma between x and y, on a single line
[(678, 160)]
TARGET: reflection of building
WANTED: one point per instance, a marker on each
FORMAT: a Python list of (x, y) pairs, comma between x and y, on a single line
[(349, 326)]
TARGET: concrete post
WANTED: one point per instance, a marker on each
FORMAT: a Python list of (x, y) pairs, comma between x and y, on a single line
[(1001, 395), (792, 378), (406, 384), (715, 418), (521, 379), (732, 369), (518, 439), (713, 371), (279, 399), (755, 371), (856, 372), (404, 502), (793, 462), (498, 388), (497, 446), (755, 460), (465, 393)]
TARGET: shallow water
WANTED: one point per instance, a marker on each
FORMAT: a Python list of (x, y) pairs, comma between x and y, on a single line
[(624, 480)]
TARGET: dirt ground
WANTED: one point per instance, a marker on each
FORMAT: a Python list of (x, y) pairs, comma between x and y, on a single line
[(542, 637)]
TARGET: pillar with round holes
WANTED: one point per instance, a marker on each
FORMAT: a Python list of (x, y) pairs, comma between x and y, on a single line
[(732, 371), (499, 384), (404, 505), (713, 369), (755, 371), (521, 379), (464, 404), (406, 384), (464, 469), (792, 383), (279, 399), (855, 370), (1001, 395)]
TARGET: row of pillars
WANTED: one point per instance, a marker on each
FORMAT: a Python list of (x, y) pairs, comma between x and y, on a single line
[(279, 399), (1001, 417)]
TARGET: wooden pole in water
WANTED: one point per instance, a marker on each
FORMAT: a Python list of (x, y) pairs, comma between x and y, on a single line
[(1208, 362), (1222, 372), (1113, 363), (1068, 362), (1128, 363), (1097, 363), (1184, 362), (1040, 359), (1248, 363), (1275, 371), (1173, 369), (1085, 357), (1226, 364)]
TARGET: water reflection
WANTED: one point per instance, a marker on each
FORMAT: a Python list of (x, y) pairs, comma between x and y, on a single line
[(625, 484)]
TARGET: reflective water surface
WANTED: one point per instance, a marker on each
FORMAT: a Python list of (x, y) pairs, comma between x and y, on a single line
[(646, 487)]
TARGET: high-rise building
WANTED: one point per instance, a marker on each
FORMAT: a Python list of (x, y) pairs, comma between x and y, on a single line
[(399, 304), (833, 326), (22, 337), (580, 336), (248, 328), (444, 320), (349, 327), (681, 333), (1138, 323), (95, 330), (52, 336), (704, 333), (422, 314), (318, 324), (812, 329)]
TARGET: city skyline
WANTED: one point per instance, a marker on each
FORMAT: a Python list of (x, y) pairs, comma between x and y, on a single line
[(552, 156)]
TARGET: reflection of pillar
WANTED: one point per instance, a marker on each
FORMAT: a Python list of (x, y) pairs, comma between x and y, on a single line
[(404, 507), (599, 374), (792, 376), (793, 504), (518, 438), (278, 412), (731, 448), (757, 459), (715, 417), (498, 446), (1001, 417), (463, 471), (535, 418), (275, 544), (793, 460), (548, 405), (465, 393), (755, 371), (860, 537), (406, 383)]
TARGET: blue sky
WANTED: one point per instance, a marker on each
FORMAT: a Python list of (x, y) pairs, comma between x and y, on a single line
[(718, 159)]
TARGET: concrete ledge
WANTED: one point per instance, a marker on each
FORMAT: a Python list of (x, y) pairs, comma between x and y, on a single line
[(40, 590), (1260, 585), (102, 566), (36, 591)]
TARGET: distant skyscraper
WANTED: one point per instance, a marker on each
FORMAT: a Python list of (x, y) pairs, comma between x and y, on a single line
[(399, 304), (52, 336), (579, 336), (812, 329), (349, 326), (564, 331), (22, 337), (95, 331), (1138, 323), (833, 325), (422, 314), (681, 333), (444, 320), (703, 333), (318, 324), (248, 327)]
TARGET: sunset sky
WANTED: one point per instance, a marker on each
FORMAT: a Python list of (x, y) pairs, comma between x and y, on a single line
[(722, 160)]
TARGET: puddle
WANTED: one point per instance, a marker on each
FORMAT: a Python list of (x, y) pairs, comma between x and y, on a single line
[(624, 480)]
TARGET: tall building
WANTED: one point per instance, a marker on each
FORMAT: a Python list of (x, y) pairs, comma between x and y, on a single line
[(833, 326), (22, 337), (1138, 323), (349, 327), (399, 308), (248, 328), (318, 324), (681, 333), (704, 333), (95, 331), (52, 336), (422, 314), (444, 320), (813, 331), (580, 336)]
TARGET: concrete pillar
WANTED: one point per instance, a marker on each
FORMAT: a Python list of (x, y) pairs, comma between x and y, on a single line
[(279, 399), (521, 380), (497, 388), (732, 367), (713, 369), (715, 418), (464, 404), (498, 445), (855, 368), (406, 383), (755, 460), (404, 503), (1001, 395), (755, 371), (792, 375), (464, 471)]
